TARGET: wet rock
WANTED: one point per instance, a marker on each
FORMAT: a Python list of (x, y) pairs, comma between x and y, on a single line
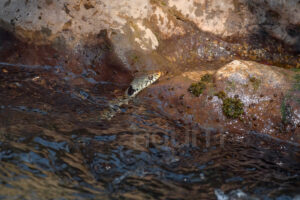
[(239, 99)]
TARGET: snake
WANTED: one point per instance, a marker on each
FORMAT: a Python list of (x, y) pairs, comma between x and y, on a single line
[(138, 84)]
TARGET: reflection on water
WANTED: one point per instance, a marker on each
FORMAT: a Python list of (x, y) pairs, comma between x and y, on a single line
[(53, 145)]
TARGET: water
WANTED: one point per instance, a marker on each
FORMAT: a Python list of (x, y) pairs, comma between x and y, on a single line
[(53, 145)]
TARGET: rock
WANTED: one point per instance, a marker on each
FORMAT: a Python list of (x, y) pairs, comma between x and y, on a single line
[(83, 18), (241, 97), (142, 25), (78, 20), (238, 18)]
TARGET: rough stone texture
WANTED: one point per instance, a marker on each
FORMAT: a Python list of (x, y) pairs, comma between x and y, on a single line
[(238, 17), (78, 19), (269, 95), (240, 72), (215, 16), (154, 34)]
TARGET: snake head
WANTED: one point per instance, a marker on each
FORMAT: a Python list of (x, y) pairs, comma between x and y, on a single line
[(142, 82)]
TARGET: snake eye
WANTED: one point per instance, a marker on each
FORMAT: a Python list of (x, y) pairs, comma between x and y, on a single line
[(130, 91)]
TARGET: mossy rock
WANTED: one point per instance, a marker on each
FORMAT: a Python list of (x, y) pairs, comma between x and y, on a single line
[(232, 108)]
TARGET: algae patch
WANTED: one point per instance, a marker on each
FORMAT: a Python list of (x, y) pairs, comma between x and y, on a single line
[(197, 88), (221, 95), (207, 78), (232, 107)]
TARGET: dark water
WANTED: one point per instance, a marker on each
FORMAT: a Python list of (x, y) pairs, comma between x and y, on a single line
[(53, 145)]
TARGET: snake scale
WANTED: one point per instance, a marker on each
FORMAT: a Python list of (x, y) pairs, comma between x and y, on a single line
[(136, 86)]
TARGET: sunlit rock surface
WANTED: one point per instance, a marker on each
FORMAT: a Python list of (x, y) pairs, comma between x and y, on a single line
[(78, 19), (145, 22), (270, 98)]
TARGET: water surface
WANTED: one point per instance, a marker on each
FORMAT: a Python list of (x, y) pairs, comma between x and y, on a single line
[(53, 145)]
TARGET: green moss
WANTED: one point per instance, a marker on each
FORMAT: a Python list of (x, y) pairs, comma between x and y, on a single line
[(197, 88), (255, 83), (232, 108), (207, 78), (221, 95)]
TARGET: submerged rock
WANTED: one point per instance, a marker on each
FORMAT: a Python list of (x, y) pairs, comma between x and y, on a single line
[(243, 96)]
